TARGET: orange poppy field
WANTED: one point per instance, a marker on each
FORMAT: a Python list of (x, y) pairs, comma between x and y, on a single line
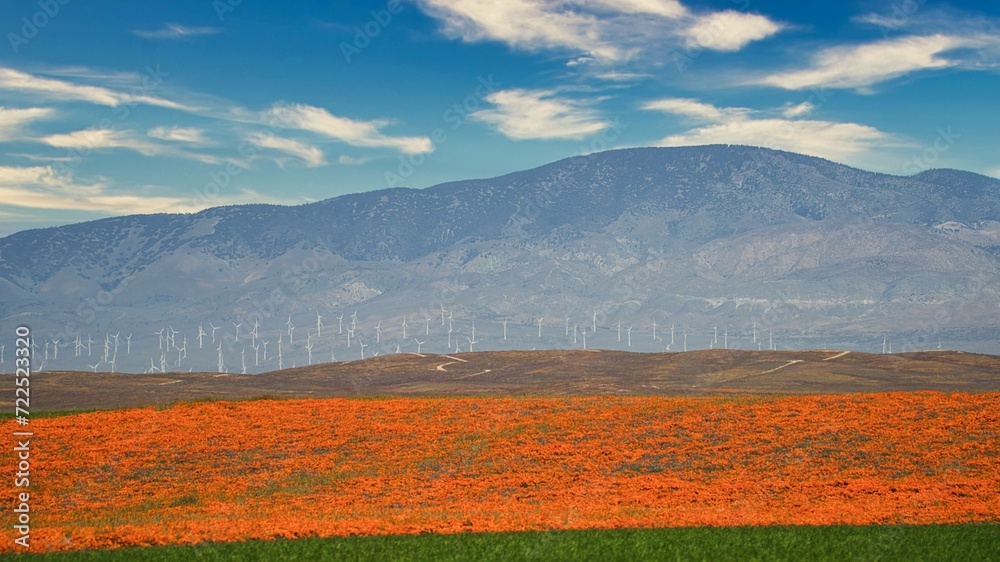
[(233, 471)]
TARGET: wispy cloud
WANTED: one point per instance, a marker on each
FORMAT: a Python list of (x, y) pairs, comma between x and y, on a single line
[(61, 90), (539, 114), (797, 110), (346, 160), (40, 187), (729, 30), (353, 132), (598, 31), (113, 139), (694, 108), (191, 135), (842, 142), (311, 155), (13, 120), (862, 66), (177, 31)]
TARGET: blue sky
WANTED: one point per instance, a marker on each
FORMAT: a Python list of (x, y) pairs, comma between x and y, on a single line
[(113, 107)]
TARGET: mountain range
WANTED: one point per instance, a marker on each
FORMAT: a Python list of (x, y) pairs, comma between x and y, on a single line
[(717, 241)]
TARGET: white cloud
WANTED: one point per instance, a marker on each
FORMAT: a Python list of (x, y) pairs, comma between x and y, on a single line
[(190, 135), (663, 8), (865, 65), (599, 31), (311, 155), (346, 160), (729, 30), (41, 158), (177, 31), (12, 120), (353, 132), (692, 108), (40, 187), (798, 110), (525, 24), (842, 142), (537, 114), (105, 139), (61, 90)]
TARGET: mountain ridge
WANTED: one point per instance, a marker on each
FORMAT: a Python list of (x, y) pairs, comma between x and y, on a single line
[(643, 233)]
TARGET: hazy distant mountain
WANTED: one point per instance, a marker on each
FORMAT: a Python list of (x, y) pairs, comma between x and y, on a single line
[(698, 237)]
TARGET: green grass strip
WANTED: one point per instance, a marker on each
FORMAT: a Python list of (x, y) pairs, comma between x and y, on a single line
[(976, 542)]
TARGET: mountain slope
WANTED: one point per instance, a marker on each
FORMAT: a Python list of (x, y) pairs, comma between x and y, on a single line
[(704, 236)]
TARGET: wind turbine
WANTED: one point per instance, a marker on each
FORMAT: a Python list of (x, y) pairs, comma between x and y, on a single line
[(291, 328), (46, 356), (540, 327), (107, 347), (201, 335), (319, 325), (770, 335), (619, 329), (95, 366), (470, 343), (281, 363), (419, 343), (1, 353), (629, 330), (350, 334), (654, 330), (112, 362), (159, 333), (378, 332), (128, 344), (449, 336), (152, 367), (265, 349), (163, 362), (567, 325), (354, 320), (884, 338), (442, 315), (593, 327), (505, 329), (340, 324), (214, 328), (404, 326), (685, 340), (671, 334), (473, 332), (584, 337), (78, 346), (427, 325), (715, 334), (363, 346), (309, 348), (256, 353), (755, 331), (221, 363), (55, 349), (243, 360)]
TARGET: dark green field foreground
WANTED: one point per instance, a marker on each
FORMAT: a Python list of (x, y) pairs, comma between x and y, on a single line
[(978, 542)]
